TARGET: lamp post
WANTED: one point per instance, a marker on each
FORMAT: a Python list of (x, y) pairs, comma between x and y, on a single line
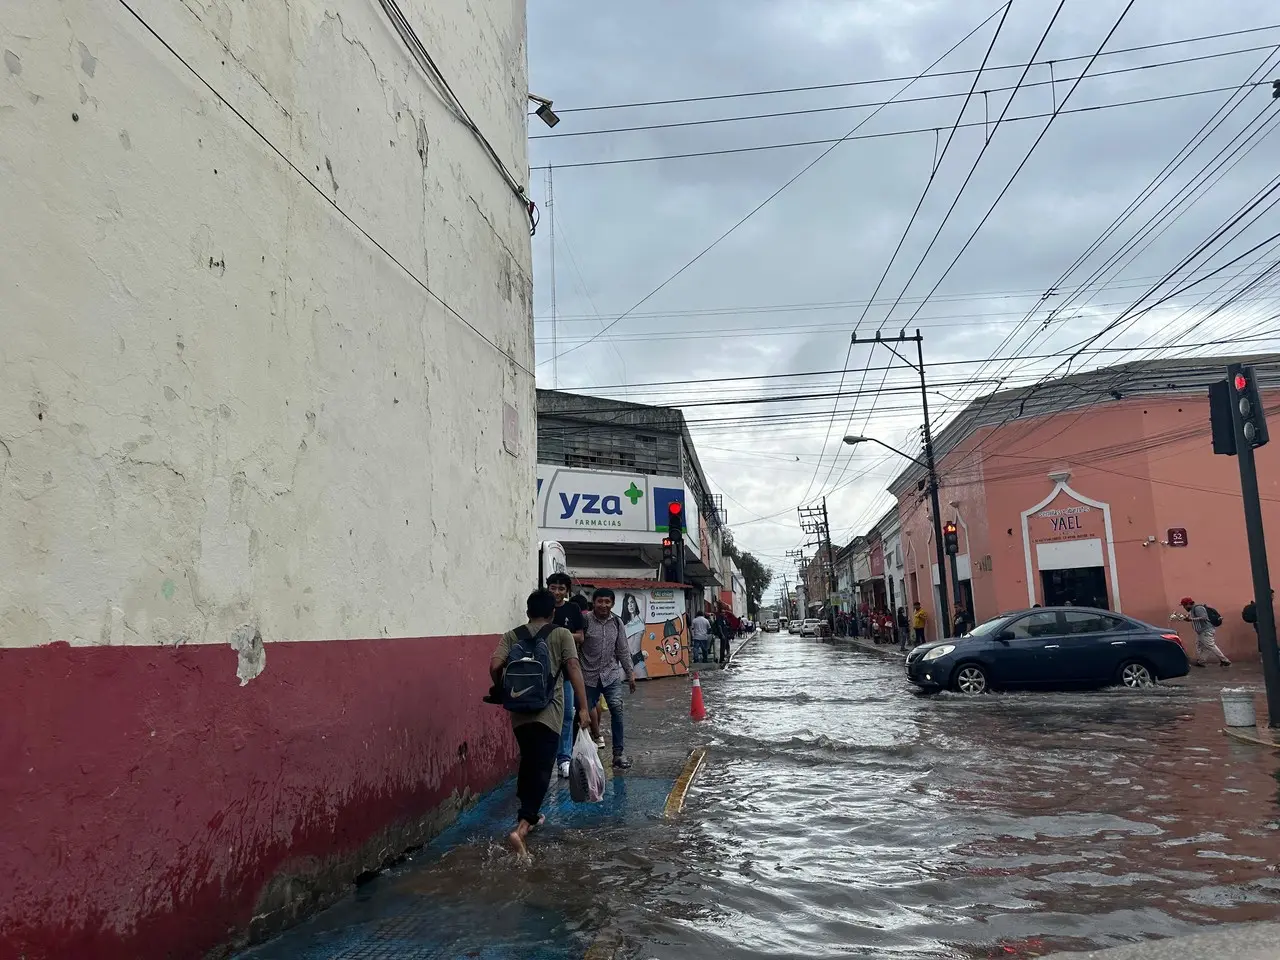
[(944, 613)]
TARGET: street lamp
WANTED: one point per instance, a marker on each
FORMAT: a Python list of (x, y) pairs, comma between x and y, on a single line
[(943, 612)]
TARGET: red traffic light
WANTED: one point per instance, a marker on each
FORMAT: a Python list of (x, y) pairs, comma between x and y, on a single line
[(668, 542), (949, 527), (674, 508), (1242, 382)]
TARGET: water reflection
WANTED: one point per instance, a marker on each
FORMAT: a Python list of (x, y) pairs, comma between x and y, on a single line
[(840, 815)]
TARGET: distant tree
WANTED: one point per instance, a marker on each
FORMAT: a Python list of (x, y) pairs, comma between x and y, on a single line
[(756, 574)]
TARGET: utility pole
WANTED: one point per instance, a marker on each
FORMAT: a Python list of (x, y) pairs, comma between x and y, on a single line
[(813, 521), (1248, 429), (944, 613)]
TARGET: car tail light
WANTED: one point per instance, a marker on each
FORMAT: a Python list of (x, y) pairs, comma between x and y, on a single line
[(1173, 637)]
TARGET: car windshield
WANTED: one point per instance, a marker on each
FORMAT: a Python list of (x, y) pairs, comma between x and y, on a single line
[(988, 628)]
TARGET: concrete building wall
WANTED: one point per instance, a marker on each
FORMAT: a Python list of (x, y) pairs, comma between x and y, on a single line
[(248, 462)]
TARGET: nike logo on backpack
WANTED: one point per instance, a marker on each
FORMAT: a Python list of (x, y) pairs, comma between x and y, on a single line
[(517, 694)]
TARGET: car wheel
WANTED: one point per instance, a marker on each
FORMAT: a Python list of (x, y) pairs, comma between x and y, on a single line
[(970, 679), (1135, 674)]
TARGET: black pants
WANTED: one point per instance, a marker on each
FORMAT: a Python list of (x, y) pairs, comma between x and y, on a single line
[(724, 649), (538, 747)]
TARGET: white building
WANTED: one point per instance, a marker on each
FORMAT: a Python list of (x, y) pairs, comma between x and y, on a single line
[(266, 431)]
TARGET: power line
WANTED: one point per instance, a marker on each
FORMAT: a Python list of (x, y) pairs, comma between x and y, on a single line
[(1198, 139), (911, 222), (811, 305), (809, 166), (836, 108), (727, 151), (945, 73)]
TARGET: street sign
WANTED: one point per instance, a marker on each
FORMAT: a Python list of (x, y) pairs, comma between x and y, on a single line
[(1177, 537)]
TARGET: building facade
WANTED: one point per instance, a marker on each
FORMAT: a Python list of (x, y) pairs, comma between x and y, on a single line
[(268, 413), (1099, 489), (607, 471)]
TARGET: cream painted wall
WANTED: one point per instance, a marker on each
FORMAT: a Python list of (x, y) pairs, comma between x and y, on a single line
[(224, 412)]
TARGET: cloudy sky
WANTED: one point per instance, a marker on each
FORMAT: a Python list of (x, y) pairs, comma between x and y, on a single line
[(782, 293)]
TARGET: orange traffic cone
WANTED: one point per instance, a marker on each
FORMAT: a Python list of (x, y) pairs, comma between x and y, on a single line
[(698, 710)]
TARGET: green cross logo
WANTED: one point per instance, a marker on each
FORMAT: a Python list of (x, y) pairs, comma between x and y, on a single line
[(633, 493)]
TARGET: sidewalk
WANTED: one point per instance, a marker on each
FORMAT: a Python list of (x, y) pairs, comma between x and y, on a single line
[(884, 649), (464, 894)]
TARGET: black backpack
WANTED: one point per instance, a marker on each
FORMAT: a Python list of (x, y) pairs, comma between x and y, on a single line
[(528, 685), (1215, 618)]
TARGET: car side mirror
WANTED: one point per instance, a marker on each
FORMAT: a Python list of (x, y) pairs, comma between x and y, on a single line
[(1004, 636)]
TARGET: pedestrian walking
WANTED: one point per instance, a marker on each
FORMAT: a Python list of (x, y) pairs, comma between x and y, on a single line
[(569, 616), (724, 630), (1250, 612), (535, 699), (606, 661), (700, 633), (918, 620), (1205, 620), (904, 628), (960, 623)]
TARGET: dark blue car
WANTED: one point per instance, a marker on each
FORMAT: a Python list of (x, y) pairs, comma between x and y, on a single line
[(1050, 646)]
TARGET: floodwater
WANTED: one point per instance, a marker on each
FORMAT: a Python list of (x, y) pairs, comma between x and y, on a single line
[(840, 815)]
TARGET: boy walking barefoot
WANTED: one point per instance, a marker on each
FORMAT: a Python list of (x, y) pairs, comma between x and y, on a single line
[(527, 666)]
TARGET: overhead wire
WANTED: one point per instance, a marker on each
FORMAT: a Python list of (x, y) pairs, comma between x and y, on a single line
[(929, 98), (950, 210), (939, 74), (933, 173), (707, 249), (912, 131), (1184, 153)]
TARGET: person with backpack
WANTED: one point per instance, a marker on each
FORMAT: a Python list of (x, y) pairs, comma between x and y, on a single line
[(1205, 620), (606, 660), (1250, 613), (526, 669)]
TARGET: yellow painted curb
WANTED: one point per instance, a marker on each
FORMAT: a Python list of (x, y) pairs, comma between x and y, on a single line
[(1256, 737), (675, 799)]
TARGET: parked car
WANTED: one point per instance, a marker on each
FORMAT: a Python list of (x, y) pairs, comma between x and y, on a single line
[(1050, 646), (771, 626), (811, 628), (794, 626)]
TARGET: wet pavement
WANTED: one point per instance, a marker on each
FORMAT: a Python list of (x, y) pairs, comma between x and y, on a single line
[(838, 814)]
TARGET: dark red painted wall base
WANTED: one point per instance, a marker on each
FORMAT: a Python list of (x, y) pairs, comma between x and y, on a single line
[(150, 806)]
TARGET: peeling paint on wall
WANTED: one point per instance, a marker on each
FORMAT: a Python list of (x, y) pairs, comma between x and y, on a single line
[(251, 654)]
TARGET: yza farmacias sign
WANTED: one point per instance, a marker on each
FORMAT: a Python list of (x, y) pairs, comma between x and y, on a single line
[(601, 505)]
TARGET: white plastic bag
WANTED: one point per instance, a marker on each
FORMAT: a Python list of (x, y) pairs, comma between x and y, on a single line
[(586, 772)]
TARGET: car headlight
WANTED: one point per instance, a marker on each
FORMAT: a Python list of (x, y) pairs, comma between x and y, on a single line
[(938, 652)]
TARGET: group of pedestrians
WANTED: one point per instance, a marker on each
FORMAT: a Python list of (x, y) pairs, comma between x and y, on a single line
[(704, 630), (589, 648)]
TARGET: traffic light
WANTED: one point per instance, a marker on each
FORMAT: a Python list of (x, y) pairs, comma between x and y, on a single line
[(951, 537), (670, 567), (1222, 427), (1253, 421), (675, 519)]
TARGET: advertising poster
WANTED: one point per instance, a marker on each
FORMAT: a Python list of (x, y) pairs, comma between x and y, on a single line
[(655, 623)]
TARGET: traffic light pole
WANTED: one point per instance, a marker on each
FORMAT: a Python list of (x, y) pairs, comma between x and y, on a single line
[(1266, 615), (944, 615)]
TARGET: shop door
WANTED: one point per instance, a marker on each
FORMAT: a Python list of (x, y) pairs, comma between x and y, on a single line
[(1078, 586)]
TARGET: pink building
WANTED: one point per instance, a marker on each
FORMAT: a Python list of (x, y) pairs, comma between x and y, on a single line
[(1100, 489)]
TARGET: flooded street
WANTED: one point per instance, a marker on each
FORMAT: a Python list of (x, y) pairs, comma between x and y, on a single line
[(840, 815)]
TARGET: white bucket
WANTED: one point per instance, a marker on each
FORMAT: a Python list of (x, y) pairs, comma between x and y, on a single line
[(1237, 707)]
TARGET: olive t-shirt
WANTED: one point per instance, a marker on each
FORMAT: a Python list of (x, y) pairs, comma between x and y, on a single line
[(561, 647)]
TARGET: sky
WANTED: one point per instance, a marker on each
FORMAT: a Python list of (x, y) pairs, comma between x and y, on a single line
[(813, 242)]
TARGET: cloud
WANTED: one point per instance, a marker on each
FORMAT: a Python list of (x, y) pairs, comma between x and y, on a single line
[(623, 230)]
